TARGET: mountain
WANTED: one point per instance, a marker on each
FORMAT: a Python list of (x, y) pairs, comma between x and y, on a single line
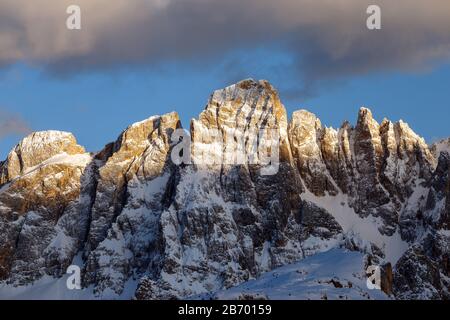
[(142, 225)]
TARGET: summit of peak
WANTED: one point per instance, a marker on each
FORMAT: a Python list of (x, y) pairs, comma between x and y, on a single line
[(247, 101), (303, 113), (38, 147), (58, 140), (172, 115), (365, 114), (245, 90), (47, 136), (366, 121), (137, 137), (440, 147), (305, 117), (251, 83), (386, 122)]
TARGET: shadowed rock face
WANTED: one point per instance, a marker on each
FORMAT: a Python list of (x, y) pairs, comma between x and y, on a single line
[(437, 212), (423, 271), (182, 230)]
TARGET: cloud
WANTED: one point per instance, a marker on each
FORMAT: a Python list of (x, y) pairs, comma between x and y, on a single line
[(12, 124), (327, 39)]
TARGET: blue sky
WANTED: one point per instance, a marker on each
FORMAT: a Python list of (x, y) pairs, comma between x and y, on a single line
[(134, 60), (97, 107)]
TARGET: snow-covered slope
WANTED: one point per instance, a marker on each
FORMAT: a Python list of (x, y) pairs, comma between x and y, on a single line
[(334, 275), (363, 231)]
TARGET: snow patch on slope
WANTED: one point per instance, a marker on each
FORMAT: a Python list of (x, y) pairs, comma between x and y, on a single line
[(49, 288), (77, 160), (365, 229), (317, 277)]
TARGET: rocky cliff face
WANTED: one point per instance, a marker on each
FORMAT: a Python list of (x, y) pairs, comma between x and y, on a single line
[(134, 186), (378, 166), (227, 224), (134, 217), (44, 203)]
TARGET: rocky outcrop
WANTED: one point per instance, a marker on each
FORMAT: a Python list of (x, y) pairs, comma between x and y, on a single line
[(377, 166), (134, 186), (436, 211), (140, 152), (446, 224), (35, 149), (306, 135), (255, 192), (3, 172), (423, 271), (45, 206), (440, 146), (227, 223)]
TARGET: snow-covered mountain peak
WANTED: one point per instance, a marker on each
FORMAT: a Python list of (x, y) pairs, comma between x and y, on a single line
[(139, 135), (365, 115), (305, 118), (36, 148), (141, 226), (248, 112)]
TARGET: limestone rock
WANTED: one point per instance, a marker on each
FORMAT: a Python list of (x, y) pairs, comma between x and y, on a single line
[(133, 185), (44, 206), (305, 133), (257, 192), (37, 148), (423, 271), (227, 224)]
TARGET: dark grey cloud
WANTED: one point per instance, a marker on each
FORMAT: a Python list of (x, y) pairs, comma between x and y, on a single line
[(328, 39), (12, 124)]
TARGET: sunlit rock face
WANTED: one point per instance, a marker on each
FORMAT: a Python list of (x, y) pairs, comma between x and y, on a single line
[(391, 161), (140, 153), (134, 185), (35, 149), (256, 191), (377, 166), (44, 206), (227, 224), (307, 137)]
